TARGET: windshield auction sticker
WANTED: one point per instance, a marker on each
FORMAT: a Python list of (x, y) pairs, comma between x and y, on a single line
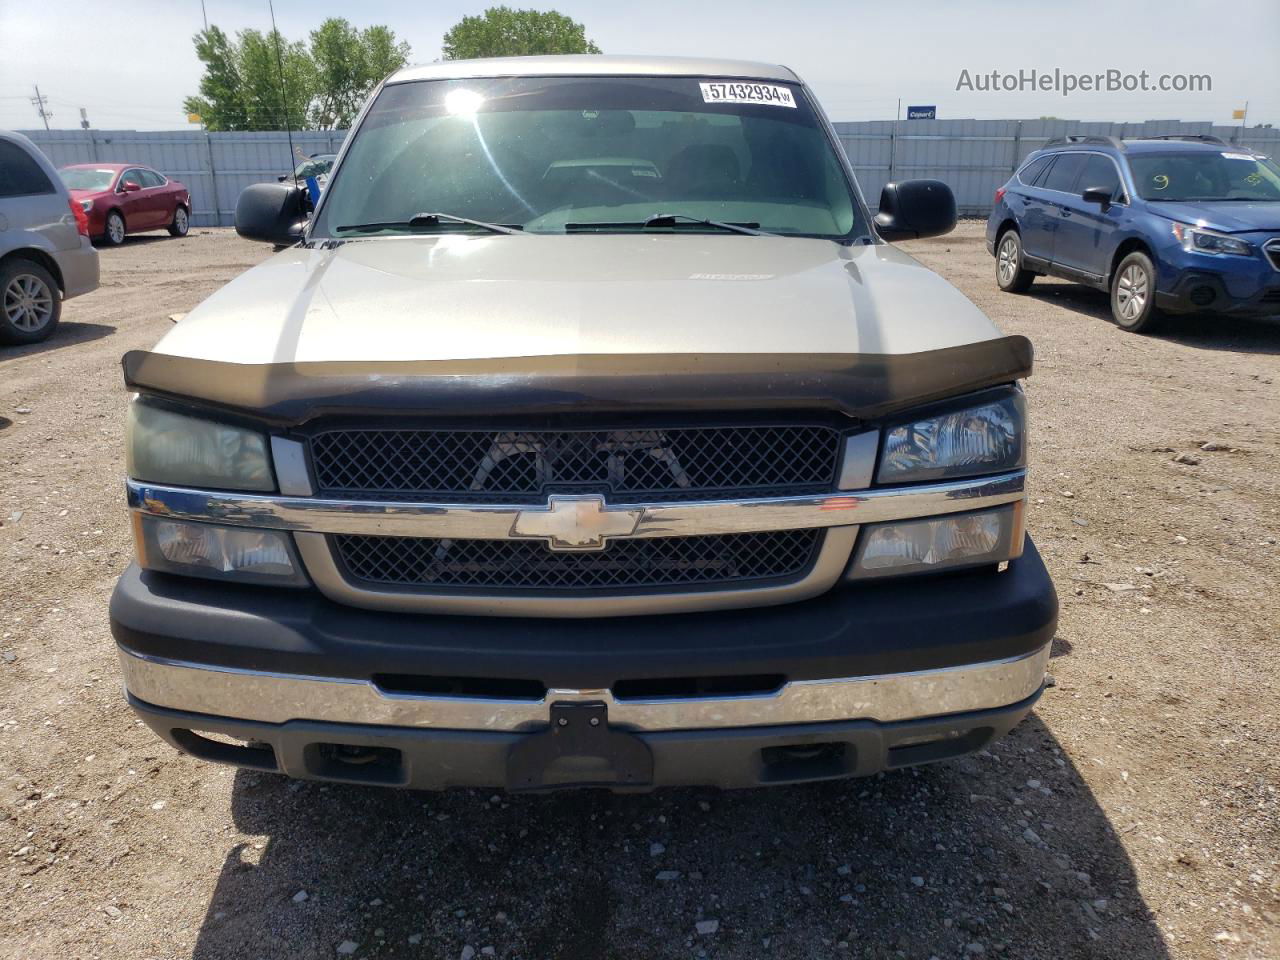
[(766, 93)]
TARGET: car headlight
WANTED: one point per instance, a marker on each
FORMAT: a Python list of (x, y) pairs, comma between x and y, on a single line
[(988, 437), (1200, 240), (216, 552), (171, 448), (932, 544), (86, 205)]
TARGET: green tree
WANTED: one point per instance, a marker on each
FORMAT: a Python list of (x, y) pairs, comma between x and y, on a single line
[(325, 83), (220, 103), (349, 63), (269, 107), (503, 32)]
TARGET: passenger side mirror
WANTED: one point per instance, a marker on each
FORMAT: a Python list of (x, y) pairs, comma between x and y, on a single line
[(914, 209), (1099, 195), (272, 213), (130, 187)]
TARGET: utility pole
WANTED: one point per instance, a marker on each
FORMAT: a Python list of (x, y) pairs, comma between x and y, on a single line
[(84, 119), (204, 14), (39, 103)]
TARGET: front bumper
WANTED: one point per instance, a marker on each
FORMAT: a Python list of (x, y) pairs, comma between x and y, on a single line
[(1227, 285), (857, 680)]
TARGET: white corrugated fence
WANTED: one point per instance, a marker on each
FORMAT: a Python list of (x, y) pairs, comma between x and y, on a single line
[(972, 156)]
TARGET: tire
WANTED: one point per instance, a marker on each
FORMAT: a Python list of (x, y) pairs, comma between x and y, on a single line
[(181, 222), (30, 304), (1133, 293), (114, 231), (1011, 275)]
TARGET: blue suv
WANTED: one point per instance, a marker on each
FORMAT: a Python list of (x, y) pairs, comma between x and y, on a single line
[(1167, 225)]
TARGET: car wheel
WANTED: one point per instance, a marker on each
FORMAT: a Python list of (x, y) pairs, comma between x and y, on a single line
[(1011, 275), (114, 232), (1133, 293), (181, 223), (29, 302)]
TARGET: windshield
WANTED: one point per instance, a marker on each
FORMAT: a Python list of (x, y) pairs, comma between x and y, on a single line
[(558, 154), (313, 167), (1206, 175), (81, 178)]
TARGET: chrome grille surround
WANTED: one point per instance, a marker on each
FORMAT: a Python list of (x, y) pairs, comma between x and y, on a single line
[(628, 465), (315, 521)]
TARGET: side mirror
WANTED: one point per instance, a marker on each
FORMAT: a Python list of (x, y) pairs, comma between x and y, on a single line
[(130, 187), (914, 209), (272, 212), (1099, 195)]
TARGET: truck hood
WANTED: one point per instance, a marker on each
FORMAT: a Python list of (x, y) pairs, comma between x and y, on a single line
[(1231, 216), (466, 297)]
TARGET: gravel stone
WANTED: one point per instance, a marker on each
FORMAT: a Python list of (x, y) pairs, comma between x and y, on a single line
[(707, 927)]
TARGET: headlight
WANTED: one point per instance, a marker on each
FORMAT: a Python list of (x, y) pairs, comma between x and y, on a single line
[(216, 552), (983, 538), (86, 205), (170, 448), (1200, 240), (986, 438)]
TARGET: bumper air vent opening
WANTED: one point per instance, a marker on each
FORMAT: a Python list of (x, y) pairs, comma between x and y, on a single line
[(483, 688), (220, 748), (688, 688), (795, 763), (355, 763), (942, 748)]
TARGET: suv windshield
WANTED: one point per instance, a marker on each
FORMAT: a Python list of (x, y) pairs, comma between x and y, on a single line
[(79, 178), (1205, 175), (551, 154), (313, 167)]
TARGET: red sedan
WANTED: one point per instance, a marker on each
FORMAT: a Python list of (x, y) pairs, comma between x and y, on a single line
[(121, 198)]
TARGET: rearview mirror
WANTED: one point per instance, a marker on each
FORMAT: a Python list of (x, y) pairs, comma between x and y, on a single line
[(130, 187), (1099, 195), (272, 213), (914, 209)]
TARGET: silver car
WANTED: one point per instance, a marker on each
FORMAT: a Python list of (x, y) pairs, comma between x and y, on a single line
[(45, 253)]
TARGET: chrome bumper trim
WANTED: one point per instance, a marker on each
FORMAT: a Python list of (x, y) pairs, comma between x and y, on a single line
[(496, 522), (276, 698)]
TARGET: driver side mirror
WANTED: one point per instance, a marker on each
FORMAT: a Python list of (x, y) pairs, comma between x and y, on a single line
[(273, 213), (914, 209), (129, 186), (1099, 195)]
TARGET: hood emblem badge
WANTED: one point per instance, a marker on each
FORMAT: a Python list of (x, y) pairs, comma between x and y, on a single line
[(576, 523)]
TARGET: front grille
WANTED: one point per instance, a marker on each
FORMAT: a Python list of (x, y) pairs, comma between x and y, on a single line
[(522, 466), (733, 558)]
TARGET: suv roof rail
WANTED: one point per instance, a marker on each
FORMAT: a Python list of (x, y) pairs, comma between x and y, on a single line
[(1192, 137), (1086, 138)]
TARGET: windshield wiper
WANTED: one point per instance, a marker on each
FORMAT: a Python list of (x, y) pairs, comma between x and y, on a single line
[(670, 220), (421, 220)]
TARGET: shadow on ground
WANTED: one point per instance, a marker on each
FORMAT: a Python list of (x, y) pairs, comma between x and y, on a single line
[(1007, 849), (66, 335), (1204, 332)]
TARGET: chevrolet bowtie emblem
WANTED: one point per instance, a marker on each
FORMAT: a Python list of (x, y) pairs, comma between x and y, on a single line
[(576, 523)]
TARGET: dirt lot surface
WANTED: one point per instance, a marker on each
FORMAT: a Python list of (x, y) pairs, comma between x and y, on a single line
[(1134, 815)]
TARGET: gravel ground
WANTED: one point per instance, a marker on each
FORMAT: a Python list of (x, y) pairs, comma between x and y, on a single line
[(1133, 815)]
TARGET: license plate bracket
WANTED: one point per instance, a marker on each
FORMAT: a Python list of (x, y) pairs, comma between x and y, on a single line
[(579, 730)]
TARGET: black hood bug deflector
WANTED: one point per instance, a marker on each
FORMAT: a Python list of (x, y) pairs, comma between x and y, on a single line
[(861, 386)]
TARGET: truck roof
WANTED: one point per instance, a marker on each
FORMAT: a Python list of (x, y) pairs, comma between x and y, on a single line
[(594, 65)]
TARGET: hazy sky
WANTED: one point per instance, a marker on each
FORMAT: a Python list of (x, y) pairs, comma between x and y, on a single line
[(130, 64)]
